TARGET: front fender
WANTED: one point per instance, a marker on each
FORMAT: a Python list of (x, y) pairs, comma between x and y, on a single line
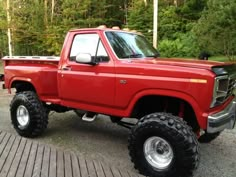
[(201, 117)]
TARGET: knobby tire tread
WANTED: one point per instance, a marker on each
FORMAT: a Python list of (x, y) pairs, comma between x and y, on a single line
[(38, 113), (183, 138)]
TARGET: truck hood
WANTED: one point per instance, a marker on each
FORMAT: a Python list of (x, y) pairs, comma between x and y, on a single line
[(190, 63)]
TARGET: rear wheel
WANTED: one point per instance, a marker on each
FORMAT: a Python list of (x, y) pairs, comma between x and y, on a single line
[(163, 145), (28, 115)]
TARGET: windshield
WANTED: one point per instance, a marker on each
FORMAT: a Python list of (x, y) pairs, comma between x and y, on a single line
[(130, 45)]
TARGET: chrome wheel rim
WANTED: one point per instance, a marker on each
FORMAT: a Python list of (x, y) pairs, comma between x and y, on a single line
[(158, 152), (22, 116)]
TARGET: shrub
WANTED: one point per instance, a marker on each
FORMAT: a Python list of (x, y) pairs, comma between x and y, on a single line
[(184, 46)]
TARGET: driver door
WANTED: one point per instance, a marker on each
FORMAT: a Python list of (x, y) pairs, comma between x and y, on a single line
[(85, 85)]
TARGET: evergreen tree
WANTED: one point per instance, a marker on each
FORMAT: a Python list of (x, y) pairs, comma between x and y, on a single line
[(140, 17), (216, 28)]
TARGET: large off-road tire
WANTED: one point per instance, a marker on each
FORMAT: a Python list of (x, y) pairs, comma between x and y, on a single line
[(208, 137), (28, 115), (163, 145)]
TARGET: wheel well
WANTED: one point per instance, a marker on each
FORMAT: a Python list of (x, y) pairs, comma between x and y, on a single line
[(23, 86), (178, 107)]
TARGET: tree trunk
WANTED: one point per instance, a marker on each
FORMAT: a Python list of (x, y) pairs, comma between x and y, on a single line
[(52, 12), (155, 22), (45, 12), (8, 28)]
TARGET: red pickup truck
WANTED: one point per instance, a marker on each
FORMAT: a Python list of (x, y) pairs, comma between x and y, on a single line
[(118, 73)]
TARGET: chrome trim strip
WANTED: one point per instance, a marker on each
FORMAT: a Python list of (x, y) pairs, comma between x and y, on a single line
[(36, 58)]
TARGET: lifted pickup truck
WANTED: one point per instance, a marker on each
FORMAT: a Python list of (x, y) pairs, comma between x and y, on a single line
[(118, 73)]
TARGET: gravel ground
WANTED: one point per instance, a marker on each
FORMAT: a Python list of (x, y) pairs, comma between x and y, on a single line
[(107, 142)]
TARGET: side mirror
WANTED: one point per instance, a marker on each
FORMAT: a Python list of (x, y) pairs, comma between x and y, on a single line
[(85, 58)]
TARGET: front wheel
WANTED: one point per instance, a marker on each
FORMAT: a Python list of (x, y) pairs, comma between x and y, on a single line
[(28, 115), (163, 145)]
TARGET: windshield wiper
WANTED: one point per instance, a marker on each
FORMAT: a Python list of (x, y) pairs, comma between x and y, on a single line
[(137, 55), (154, 56)]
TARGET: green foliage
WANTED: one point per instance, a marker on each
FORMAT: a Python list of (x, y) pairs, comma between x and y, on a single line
[(184, 27), (140, 18), (191, 9), (54, 36), (175, 23), (3, 43), (1, 67), (184, 46), (216, 28), (219, 58), (3, 27), (39, 28), (169, 23)]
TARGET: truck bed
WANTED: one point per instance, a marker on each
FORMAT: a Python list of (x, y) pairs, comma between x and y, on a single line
[(31, 69)]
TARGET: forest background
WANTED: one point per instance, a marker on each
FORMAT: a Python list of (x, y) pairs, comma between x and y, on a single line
[(185, 27)]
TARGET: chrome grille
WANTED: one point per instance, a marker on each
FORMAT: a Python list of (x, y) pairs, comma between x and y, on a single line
[(231, 87), (225, 90)]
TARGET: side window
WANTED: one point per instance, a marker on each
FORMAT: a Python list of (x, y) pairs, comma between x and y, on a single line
[(101, 53), (91, 44)]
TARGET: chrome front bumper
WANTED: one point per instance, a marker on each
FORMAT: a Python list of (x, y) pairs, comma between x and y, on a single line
[(222, 120)]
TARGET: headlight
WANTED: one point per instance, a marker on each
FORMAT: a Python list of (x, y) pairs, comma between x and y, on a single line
[(223, 89)]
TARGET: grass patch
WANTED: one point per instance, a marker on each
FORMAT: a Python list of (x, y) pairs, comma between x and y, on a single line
[(1, 67), (212, 58), (219, 58), (222, 58)]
